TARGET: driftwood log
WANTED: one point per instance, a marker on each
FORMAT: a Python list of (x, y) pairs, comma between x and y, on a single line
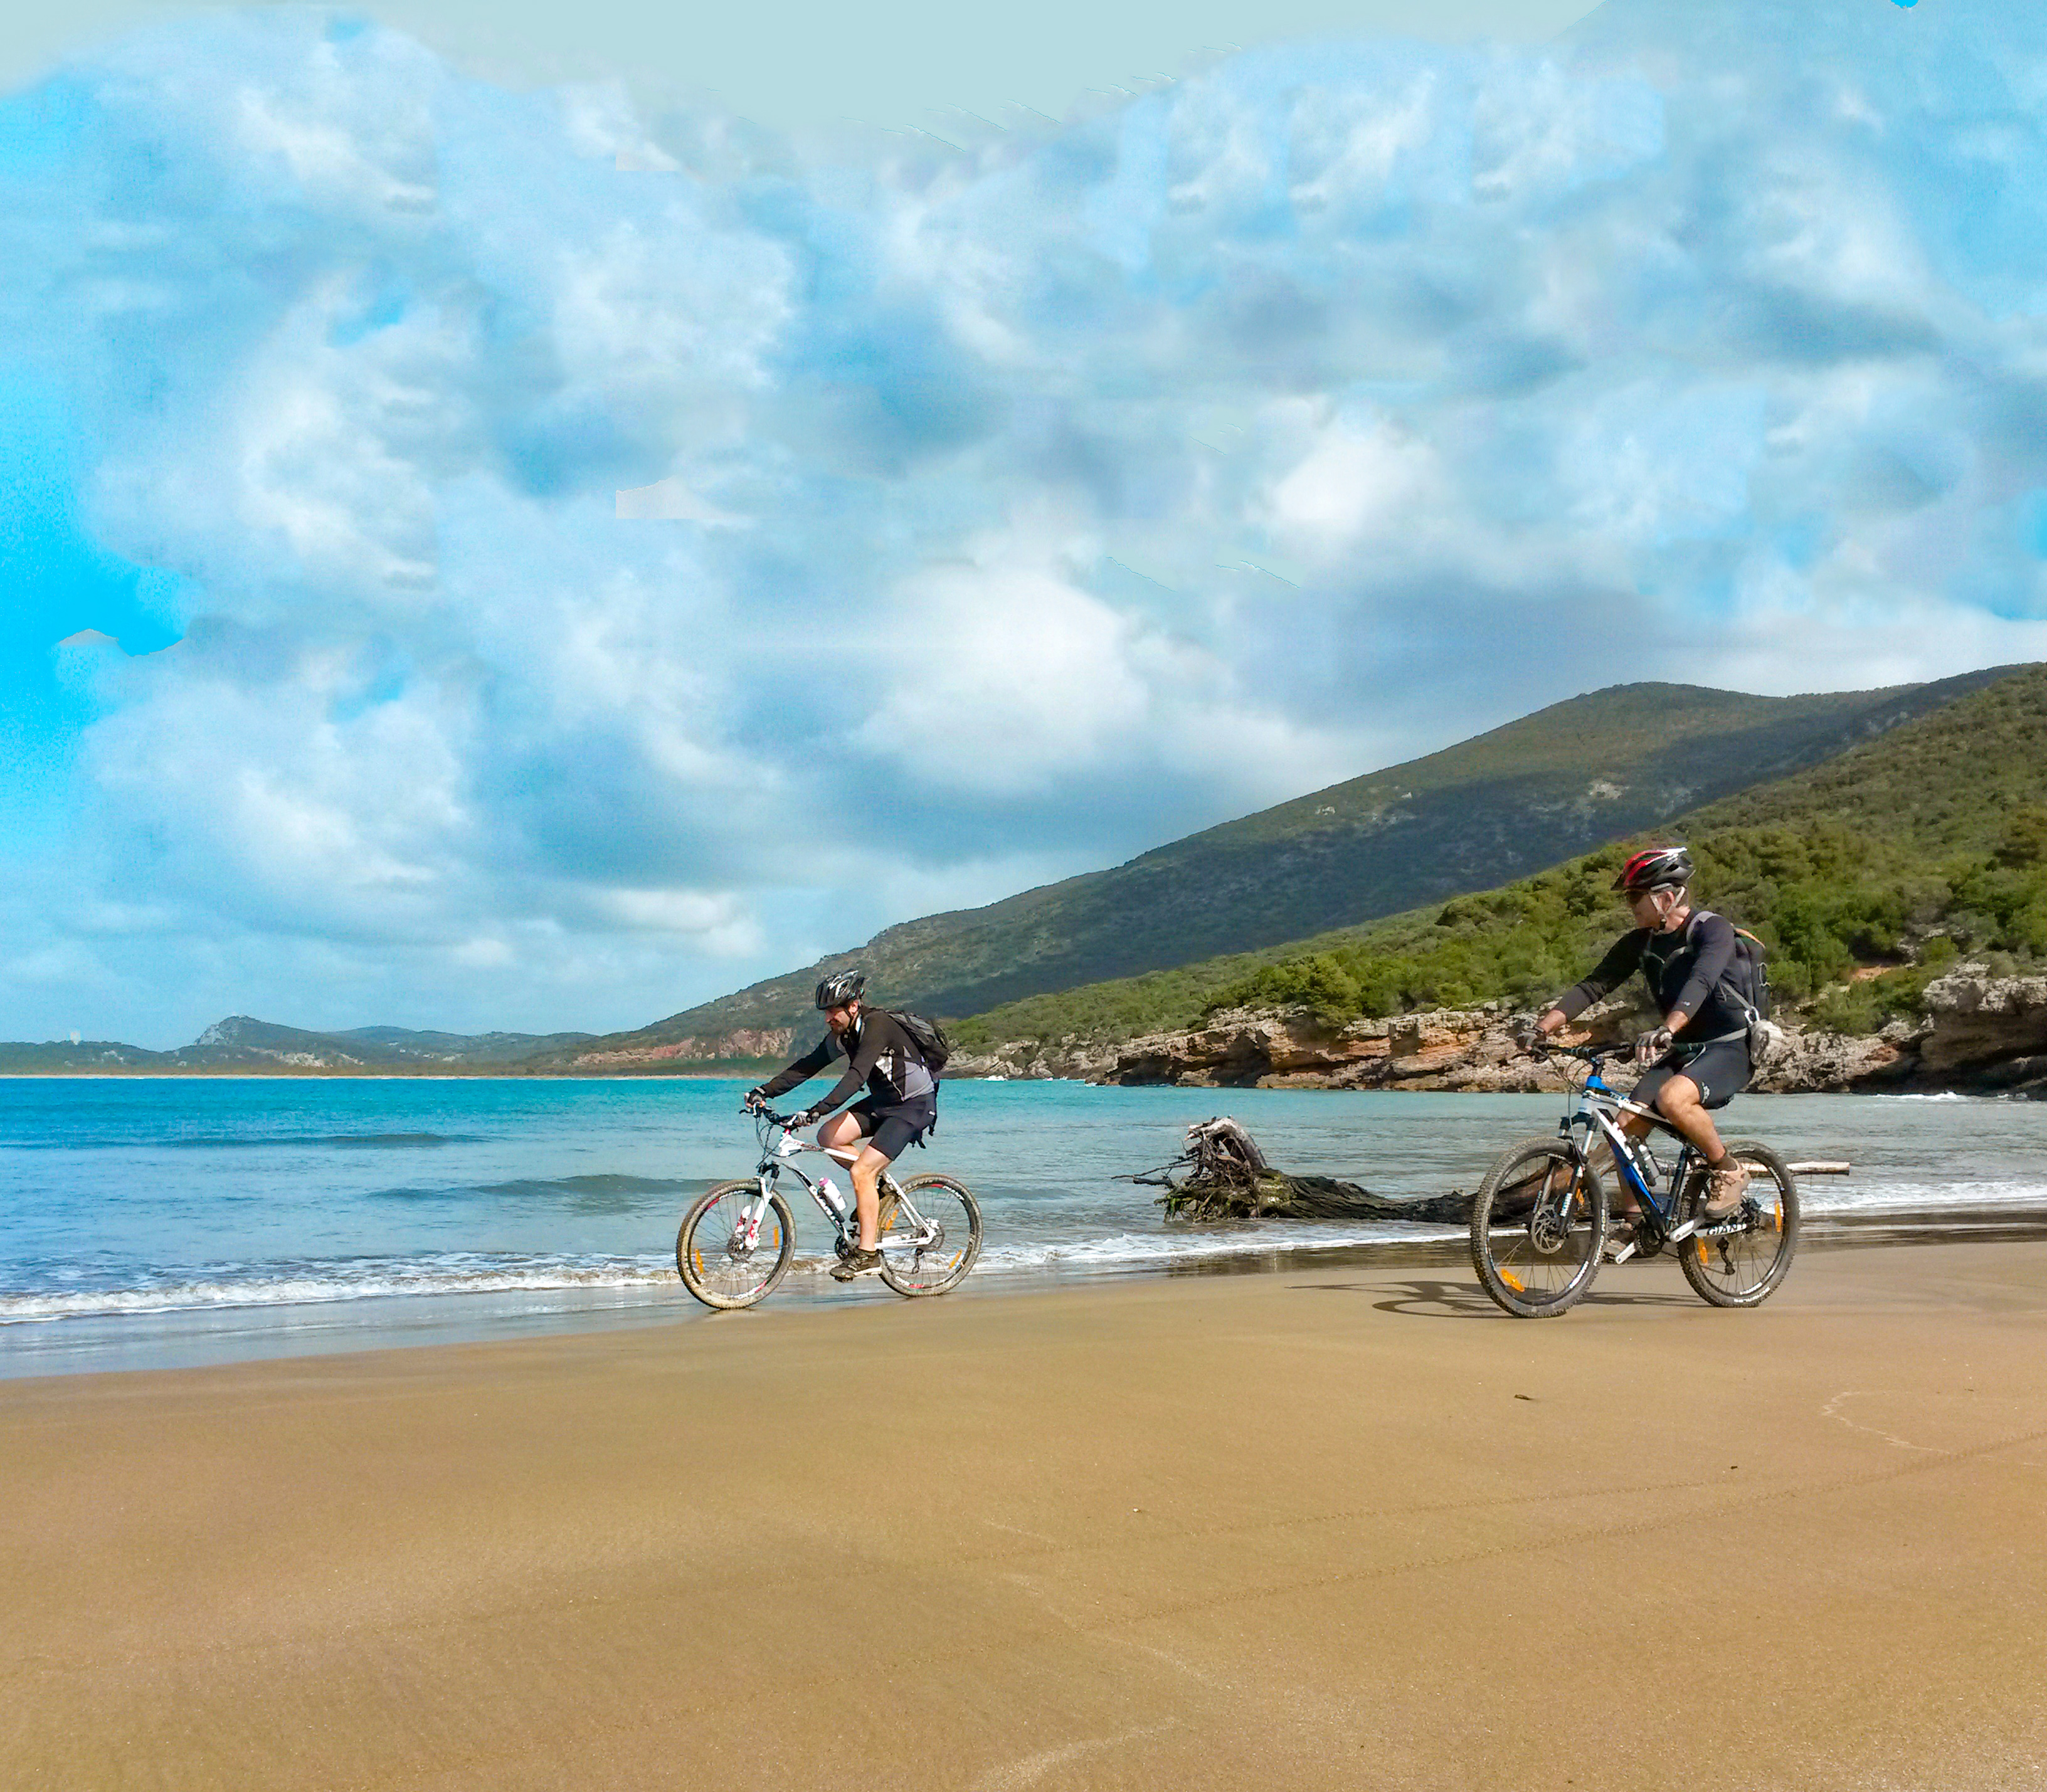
[(1221, 1174)]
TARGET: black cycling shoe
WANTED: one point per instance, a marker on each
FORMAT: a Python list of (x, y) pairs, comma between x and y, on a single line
[(856, 1262)]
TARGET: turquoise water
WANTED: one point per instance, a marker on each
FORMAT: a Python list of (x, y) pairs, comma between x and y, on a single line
[(189, 1219)]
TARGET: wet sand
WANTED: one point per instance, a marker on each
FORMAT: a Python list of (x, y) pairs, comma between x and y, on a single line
[(1335, 1527)]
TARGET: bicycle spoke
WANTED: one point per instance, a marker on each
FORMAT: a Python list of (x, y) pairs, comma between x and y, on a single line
[(933, 1237), (1741, 1268), (1537, 1223), (733, 1247)]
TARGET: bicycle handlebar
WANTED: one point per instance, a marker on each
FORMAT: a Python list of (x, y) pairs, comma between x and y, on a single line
[(1590, 1054), (763, 1111)]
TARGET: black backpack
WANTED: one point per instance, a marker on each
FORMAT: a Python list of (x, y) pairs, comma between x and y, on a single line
[(928, 1037), (1748, 979)]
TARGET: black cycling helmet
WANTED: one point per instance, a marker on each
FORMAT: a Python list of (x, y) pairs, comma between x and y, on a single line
[(1656, 867), (841, 987)]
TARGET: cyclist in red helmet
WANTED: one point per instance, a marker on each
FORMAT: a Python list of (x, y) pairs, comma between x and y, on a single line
[(1698, 1058)]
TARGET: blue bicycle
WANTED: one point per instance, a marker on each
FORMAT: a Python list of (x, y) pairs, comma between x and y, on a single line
[(1538, 1225)]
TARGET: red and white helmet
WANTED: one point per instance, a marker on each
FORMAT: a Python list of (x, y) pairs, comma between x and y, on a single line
[(1656, 867)]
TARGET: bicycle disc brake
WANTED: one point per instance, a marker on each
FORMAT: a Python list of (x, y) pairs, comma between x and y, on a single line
[(1550, 1224)]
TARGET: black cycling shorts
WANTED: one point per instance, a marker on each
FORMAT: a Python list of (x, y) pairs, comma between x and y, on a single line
[(1721, 1071), (891, 1128)]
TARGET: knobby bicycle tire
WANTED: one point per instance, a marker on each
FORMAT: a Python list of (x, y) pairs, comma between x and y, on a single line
[(943, 1263), (711, 1269), (1536, 1267), (1743, 1268)]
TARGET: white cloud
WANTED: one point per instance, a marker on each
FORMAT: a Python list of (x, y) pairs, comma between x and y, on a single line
[(1366, 482), (619, 554), (715, 921), (1004, 677), (667, 500)]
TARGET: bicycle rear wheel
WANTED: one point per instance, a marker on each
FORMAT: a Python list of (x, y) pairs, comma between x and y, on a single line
[(719, 1262), (1742, 1268), (930, 1238), (1536, 1224)]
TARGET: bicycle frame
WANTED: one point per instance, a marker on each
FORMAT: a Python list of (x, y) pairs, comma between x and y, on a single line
[(780, 1153), (1595, 1107)]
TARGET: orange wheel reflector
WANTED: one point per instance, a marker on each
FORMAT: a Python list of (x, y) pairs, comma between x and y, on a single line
[(1512, 1281), (1699, 1245)]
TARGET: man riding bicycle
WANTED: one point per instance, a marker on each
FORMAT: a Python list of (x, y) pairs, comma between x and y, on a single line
[(1698, 1058), (902, 1103)]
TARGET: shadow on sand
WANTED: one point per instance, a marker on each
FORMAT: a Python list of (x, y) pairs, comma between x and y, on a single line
[(1422, 1299)]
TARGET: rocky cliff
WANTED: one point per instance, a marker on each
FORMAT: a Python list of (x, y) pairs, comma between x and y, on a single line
[(1984, 1033), (1980, 1034), (742, 1046)]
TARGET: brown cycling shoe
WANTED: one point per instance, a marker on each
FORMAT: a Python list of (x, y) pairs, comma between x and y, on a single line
[(1724, 1186), (1620, 1235), (856, 1263)]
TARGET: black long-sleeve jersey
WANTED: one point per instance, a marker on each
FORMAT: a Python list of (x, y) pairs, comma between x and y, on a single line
[(882, 1055), (1684, 970)]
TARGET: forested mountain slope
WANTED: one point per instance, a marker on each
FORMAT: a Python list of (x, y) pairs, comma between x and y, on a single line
[(1894, 858), (1597, 767)]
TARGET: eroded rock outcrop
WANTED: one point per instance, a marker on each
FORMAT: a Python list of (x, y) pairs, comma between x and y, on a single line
[(1986, 1032), (1816, 1062), (1291, 1049), (1980, 1033)]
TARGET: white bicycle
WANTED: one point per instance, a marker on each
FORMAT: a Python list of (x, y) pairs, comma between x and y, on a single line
[(737, 1242)]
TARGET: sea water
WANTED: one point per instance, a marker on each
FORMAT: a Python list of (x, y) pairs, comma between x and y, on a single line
[(179, 1220)]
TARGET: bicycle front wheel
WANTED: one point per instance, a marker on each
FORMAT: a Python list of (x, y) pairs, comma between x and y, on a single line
[(930, 1237), (1536, 1225), (1742, 1266), (724, 1259)]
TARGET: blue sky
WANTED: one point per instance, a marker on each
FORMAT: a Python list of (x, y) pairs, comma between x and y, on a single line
[(484, 553)]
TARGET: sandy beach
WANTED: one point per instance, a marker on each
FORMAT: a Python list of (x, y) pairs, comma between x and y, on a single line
[(1318, 1528)]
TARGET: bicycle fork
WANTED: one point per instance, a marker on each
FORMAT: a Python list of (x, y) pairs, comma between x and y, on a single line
[(746, 1232), (746, 1236)]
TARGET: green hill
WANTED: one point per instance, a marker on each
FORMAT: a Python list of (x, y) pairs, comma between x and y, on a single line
[(1600, 766), (240, 1043), (1894, 857), (406, 1045), (60, 1056)]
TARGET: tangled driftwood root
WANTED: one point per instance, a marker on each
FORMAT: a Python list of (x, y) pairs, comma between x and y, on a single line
[(1221, 1174)]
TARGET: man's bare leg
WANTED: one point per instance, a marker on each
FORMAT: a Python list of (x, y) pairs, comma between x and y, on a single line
[(867, 1169), (841, 1133), (1678, 1101)]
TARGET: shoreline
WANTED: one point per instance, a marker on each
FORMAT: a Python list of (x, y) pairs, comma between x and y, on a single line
[(1302, 1086), (1300, 1530), (385, 1076), (175, 1339)]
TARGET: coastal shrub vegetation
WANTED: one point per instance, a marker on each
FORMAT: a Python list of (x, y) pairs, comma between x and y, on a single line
[(1826, 900), (1864, 877)]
